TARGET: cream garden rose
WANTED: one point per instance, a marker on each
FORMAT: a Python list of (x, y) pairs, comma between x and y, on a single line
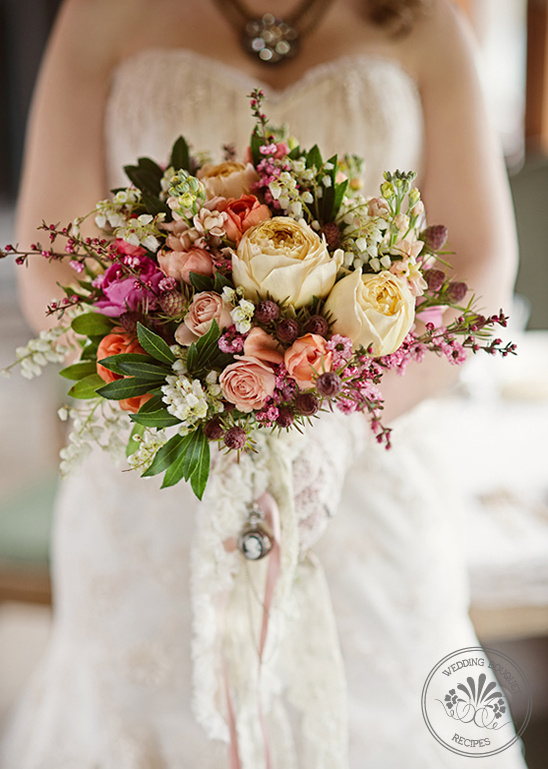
[(228, 179), (286, 260), (376, 310)]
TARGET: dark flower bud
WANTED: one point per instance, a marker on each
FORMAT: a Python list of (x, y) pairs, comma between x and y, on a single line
[(129, 321), (456, 291), (287, 330), (434, 278), (306, 404), (329, 384), (172, 303), (435, 237), (266, 310), (316, 324), (332, 235), (235, 438), (285, 417), (213, 429)]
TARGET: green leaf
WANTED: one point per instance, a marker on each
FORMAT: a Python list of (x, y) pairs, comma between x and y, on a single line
[(201, 282), (92, 324), (113, 361), (160, 418), (152, 404), (146, 175), (126, 388), (175, 472), (153, 205), (165, 456), (87, 387), (220, 282), (198, 479), (202, 352), (314, 158), (180, 156), (143, 370), (132, 444), (154, 345), (340, 190), (79, 370), (254, 144)]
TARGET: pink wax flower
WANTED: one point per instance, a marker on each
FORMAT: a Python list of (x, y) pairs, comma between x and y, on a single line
[(128, 289)]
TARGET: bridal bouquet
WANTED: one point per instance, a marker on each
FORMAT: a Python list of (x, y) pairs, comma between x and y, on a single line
[(223, 299)]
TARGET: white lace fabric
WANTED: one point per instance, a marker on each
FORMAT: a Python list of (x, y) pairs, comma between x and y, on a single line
[(114, 690)]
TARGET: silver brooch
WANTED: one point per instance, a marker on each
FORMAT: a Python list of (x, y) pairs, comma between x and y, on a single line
[(255, 540)]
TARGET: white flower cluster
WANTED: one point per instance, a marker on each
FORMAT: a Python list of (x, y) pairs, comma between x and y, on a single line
[(37, 353), (242, 311), (111, 212), (149, 443), (97, 422), (363, 236), (185, 399), (141, 231)]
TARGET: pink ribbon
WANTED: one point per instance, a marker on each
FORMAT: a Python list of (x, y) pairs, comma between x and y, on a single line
[(267, 504)]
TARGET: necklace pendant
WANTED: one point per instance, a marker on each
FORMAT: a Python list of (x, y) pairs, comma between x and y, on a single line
[(271, 39), (255, 540)]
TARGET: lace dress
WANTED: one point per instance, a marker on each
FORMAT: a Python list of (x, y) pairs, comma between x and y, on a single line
[(115, 688)]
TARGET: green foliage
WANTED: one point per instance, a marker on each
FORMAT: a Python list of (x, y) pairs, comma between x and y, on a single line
[(127, 388), (133, 444), (146, 176), (180, 155), (92, 324), (160, 418), (154, 345), (79, 370), (204, 355), (201, 282), (86, 388)]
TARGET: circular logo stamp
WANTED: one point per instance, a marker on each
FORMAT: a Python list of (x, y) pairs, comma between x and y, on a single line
[(476, 702)]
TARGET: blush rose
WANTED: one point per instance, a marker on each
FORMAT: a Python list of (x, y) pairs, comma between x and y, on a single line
[(179, 264), (247, 383), (205, 307), (307, 357)]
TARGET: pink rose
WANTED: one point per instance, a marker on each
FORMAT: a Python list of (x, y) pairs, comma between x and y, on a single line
[(130, 286), (247, 383), (260, 345), (307, 357), (243, 213), (205, 307), (179, 264)]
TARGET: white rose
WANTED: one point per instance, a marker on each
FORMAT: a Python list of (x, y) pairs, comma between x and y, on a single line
[(376, 310), (286, 260)]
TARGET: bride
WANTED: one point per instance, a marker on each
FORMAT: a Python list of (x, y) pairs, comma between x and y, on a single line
[(393, 81)]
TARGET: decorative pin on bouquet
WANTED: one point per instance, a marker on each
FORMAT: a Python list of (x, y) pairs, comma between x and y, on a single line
[(224, 299)]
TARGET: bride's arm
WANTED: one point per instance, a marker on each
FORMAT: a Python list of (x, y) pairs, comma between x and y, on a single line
[(464, 185), (63, 172)]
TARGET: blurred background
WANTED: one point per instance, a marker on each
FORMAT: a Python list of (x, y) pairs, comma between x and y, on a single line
[(508, 551)]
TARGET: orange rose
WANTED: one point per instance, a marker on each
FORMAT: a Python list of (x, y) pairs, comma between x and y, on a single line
[(243, 213), (115, 343), (247, 383), (179, 264), (306, 359)]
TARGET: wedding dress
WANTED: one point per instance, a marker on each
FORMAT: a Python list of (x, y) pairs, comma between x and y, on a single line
[(114, 689)]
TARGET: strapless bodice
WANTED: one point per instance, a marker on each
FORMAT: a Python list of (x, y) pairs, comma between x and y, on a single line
[(357, 104)]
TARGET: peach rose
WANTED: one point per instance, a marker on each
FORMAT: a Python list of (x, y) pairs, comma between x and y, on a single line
[(229, 179), (205, 307), (307, 357), (115, 343), (259, 344), (372, 310), (247, 383), (179, 264), (243, 213)]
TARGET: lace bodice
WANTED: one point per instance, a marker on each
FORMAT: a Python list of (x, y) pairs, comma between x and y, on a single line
[(353, 104)]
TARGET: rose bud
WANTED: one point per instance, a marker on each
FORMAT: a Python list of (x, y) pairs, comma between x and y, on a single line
[(329, 384), (332, 235), (435, 237), (306, 404), (285, 417), (213, 429), (172, 303), (434, 278), (456, 291), (287, 330), (235, 438), (266, 310), (316, 324)]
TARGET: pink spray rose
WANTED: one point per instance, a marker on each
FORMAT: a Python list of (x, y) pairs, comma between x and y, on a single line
[(124, 290), (307, 357), (247, 383), (205, 307), (259, 344), (179, 264)]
